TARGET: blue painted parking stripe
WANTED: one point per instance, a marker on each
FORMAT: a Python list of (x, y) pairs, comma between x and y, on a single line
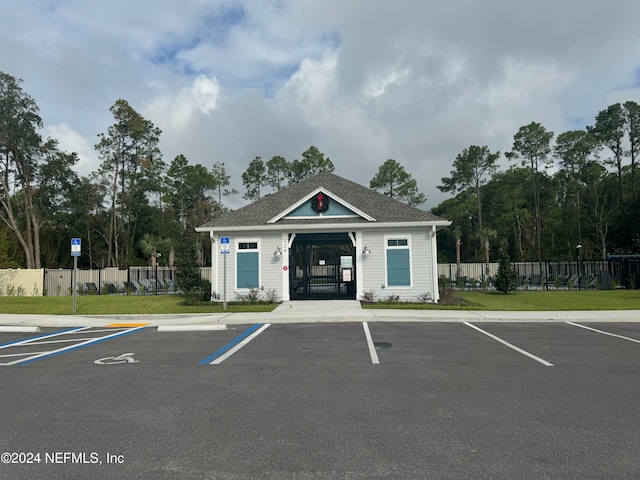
[(230, 345), (70, 348), (25, 340)]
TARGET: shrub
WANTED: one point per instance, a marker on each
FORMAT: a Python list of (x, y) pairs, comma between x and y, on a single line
[(369, 296), (391, 299), (252, 296), (206, 290), (506, 275), (272, 295), (445, 283), (424, 297), (187, 272)]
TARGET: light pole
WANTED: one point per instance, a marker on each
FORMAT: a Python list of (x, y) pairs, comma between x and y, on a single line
[(155, 257), (579, 260)]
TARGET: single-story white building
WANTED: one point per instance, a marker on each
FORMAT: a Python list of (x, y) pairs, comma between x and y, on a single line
[(326, 238)]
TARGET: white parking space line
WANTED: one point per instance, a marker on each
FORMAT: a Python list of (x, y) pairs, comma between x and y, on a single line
[(29, 341), (603, 332), (82, 343), (62, 341), (524, 352), (110, 329), (237, 347), (23, 354), (372, 347)]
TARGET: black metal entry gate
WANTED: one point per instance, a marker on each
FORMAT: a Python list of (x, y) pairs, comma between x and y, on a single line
[(322, 266)]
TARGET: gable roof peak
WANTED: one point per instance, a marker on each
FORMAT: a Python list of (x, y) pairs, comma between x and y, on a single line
[(370, 203)]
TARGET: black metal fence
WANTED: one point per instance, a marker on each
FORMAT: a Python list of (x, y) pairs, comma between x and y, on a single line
[(113, 281), (613, 273), (616, 272)]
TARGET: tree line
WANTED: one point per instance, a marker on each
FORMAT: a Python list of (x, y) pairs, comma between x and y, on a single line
[(391, 178), (134, 209), (575, 198)]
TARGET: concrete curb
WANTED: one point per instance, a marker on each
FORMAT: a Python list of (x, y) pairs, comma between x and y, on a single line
[(190, 328), (18, 329), (319, 315)]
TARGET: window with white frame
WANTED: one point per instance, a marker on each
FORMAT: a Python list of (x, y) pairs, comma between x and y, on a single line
[(247, 265), (398, 253)]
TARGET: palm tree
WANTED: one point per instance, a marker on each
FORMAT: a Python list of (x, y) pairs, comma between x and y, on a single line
[(457, 232), (487, 235)]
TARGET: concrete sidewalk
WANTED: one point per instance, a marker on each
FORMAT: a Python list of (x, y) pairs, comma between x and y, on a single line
[(316, 312)]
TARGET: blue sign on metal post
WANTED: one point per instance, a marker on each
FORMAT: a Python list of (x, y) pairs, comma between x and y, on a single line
[(224, 245), (224, 250), (76, 247)]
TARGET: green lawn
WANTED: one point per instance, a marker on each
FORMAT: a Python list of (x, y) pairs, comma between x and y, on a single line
[(173, 304), (531, 300), (118, 305)]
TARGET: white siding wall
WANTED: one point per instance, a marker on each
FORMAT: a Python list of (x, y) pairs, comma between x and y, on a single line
[(270, 265), (373, 265)]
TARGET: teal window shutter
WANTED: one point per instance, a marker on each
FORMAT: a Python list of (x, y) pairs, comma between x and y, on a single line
[(248, 270), (398, 268)]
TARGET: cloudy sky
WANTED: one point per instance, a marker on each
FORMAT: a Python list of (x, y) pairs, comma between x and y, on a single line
[(363, 80)]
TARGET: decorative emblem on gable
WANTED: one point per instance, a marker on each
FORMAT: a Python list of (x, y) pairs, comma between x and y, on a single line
[(320, 203)]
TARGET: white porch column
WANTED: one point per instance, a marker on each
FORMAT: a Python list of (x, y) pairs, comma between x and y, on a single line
[(434, 266), (284, 247), (359, 267)]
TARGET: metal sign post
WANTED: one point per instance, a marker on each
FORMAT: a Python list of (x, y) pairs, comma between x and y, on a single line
[(224, 250), (76, 249)]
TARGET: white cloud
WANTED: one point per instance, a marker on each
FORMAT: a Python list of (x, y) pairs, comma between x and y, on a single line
[(175, 112), (311, 89), (71, 141), (363, 81), (379, 83), (205, 92)]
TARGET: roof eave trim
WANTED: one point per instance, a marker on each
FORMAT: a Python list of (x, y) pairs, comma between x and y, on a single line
[(439, 224)]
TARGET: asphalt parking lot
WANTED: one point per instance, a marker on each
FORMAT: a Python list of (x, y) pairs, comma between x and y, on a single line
[(320, 401)]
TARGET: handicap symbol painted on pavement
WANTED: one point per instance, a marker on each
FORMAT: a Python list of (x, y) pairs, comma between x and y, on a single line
[(124, 358)]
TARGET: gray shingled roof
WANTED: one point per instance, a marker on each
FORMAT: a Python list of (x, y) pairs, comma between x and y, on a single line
[(382, 208)]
